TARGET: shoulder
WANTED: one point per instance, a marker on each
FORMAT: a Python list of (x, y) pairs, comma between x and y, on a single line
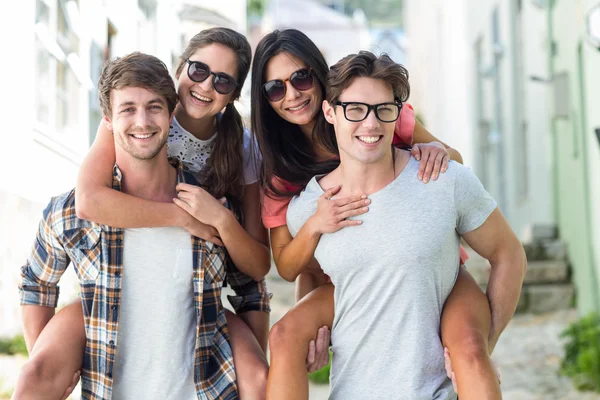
[(60, 214)]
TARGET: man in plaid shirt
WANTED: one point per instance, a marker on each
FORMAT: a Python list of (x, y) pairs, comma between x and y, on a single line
[(155, 325)]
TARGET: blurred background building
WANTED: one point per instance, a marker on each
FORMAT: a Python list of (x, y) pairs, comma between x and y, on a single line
[(514, 86)]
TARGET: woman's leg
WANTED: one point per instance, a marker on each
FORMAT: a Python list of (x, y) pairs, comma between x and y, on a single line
[(466, 321), (251, 366), (289, 340), (55, 358)]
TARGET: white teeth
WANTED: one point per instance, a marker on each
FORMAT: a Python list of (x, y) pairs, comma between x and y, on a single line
[(142, 136), (201, 98), (299, 107), (369, 139)]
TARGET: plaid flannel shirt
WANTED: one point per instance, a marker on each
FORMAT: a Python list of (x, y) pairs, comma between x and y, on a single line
[(97, 255)]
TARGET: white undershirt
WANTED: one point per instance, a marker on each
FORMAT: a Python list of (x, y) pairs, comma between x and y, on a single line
[(194, 153), (157, 322)]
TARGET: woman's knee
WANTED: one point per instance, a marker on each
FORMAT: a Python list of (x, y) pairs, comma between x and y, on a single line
[(286, 333), (471, 346), (38, 372)]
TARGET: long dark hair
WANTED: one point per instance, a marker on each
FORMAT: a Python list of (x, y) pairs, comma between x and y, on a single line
[(287, 153), (225, 166)]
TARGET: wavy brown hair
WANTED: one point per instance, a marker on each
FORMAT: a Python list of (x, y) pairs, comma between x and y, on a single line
[(366, 64), (225, 172), (136, 70)]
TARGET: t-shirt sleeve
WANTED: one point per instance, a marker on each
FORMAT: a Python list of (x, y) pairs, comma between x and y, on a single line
[(252, 158), (405, 126), (274, 208), (274, 211), (473, 203)]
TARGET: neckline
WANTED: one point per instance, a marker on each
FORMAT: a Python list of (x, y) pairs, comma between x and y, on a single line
[(391, 184), (176, 125)]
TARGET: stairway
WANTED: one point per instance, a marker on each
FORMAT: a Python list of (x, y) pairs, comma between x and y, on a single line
[(547, 285)]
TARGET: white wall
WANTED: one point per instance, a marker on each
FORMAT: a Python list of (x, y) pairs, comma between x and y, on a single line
[(441, 59)]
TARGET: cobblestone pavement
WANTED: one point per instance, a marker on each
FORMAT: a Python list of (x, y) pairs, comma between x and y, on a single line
[(527, 355)]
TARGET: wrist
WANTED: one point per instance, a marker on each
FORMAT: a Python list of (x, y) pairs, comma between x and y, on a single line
[(311, 227), (223, 220)]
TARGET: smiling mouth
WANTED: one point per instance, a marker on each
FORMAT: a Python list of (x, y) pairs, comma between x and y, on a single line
[(369, 139), (142, 135), (201, 98), (300, 107)]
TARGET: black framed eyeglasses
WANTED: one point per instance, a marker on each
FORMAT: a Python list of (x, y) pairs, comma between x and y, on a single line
[(385, 112), (199, 72), (301, 79)]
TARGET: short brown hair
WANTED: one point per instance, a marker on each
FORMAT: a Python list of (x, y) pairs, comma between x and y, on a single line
[(367, 64), (136, 70)]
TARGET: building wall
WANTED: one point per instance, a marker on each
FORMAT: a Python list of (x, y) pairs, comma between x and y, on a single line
[(577, 150), (41, 159), (491, 113)]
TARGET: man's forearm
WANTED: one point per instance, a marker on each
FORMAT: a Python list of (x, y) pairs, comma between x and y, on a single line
[(504, 289), (35, 318), (258, 321)]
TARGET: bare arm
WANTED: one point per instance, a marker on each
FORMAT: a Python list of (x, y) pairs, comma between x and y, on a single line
[(34, 320), (95, 200), (246, 247), (422, 135), (495, 241)]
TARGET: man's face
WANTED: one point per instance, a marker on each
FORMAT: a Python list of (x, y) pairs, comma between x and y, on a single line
[(369, 140), (140, 121)]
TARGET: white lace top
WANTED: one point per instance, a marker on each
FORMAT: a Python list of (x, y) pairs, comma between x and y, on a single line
[(193, 152)]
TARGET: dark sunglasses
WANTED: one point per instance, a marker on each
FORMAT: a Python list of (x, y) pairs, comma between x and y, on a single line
[(199, 72), (301, 80), (356, 112)]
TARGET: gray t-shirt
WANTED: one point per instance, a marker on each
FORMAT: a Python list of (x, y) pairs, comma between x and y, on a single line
[(392, 275), (157, 320)]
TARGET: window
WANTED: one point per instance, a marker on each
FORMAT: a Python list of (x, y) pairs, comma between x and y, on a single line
[(58, 79)]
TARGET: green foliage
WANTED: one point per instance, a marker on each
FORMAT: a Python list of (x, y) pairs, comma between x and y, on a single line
[(381, 13), (256, 7), (12, 346), (582, 353), (322, 375)]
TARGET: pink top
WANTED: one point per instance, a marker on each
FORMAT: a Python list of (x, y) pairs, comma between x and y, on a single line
[(274, 210)]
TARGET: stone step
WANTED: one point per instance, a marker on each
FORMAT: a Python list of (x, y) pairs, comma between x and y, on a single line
[(547, 271), (541, 298)]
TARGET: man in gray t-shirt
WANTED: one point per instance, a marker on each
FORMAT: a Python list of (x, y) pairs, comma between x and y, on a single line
[(393, 273)]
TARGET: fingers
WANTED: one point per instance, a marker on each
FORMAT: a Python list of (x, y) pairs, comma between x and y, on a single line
[(329, 193), (423, 165), (186, 196), (71, 387), (310, 358), (430, 162), (352, 213), (445, 163), (185, 206), (346, 201), (322, 348), (437, 165), (449, 370), (415, 151), (216, 241)]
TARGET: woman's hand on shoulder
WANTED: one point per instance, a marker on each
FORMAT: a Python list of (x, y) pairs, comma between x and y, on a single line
[(434, 159), (332, 214)]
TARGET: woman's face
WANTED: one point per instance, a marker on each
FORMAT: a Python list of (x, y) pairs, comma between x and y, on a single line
[(297, 107), (200, 99)]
